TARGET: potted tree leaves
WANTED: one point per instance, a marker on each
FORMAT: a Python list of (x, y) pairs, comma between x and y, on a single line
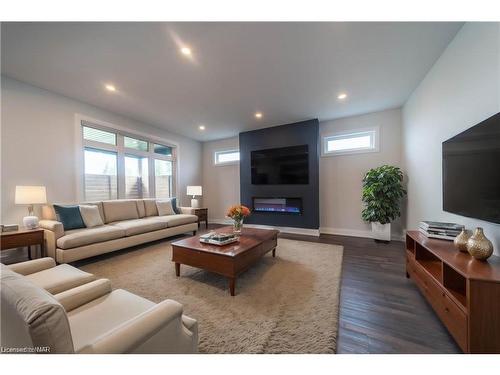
[(382, 193)]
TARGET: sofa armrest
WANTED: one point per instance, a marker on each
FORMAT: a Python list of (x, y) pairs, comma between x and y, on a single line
[(54, 226), (186, 210), (76, 297), (131, 334), (32, 266), (53, 230)]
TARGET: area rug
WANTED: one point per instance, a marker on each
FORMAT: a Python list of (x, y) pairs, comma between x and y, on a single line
[(287, 304)]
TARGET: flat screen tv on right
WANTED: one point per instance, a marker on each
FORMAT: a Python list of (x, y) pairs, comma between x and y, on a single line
[(471, 172)]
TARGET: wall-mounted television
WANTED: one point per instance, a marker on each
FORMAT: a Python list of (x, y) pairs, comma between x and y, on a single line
[(471, 172), (280, 166)]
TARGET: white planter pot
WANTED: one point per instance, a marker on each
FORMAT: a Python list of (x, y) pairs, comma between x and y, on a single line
[(381, 232)]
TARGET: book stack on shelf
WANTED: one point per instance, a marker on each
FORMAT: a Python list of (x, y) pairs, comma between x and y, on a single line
[(443, 231), (219, 239)]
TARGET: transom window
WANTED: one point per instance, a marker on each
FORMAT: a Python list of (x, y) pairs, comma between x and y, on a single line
[(226, 157), (136, 144), (119, 165), (366, 140)]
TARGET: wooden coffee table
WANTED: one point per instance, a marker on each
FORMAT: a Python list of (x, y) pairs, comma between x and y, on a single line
[(228, 260)]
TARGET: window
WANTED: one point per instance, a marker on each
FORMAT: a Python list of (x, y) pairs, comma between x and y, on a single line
[(97, 135), (163, 178), (226, 157), (119, 165), (354, 142), (136, 177), (162, 150), (100, 175), (136, 144)]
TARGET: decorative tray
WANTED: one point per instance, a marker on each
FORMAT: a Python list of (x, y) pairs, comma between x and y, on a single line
[(219, 239)]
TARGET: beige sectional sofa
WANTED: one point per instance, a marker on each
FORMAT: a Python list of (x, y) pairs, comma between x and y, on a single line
[(127, 222)]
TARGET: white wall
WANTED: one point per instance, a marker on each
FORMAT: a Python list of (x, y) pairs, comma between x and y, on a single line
[(340, 176), (221, 183), (38, 145), (461, 89)]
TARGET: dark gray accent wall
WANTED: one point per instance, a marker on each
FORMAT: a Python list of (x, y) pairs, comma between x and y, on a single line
[(299, 133)]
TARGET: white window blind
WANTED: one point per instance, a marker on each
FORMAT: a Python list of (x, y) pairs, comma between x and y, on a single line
[(92, 134)]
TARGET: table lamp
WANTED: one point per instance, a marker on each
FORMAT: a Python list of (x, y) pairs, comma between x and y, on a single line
[(194, 191), (30, 195)]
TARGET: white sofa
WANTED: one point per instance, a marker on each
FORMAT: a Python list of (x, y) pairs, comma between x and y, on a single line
[(53, 278), (127, 222), (91, 318)]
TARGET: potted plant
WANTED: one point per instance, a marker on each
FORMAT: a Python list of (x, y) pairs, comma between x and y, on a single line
[(382, 193)]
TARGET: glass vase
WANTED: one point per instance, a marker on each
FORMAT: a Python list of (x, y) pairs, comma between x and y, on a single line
[(237, 226)]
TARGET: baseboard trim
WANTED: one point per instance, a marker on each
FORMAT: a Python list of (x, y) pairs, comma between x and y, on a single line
[(346, 232), (355, 233), (313, 232), (291, 230)]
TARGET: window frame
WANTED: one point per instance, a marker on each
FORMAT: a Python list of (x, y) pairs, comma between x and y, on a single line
[(226, 151), (374, 132), (121, 151)]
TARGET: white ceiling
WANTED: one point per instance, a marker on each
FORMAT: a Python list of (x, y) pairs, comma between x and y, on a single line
[(288, 71)]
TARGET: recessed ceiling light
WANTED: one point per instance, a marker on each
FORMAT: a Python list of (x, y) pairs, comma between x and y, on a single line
[(342, 96), (110, 87), (201, 127), (186, 51), (258, 114)]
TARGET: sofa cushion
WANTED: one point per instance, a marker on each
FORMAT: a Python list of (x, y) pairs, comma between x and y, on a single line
[(99, 206), (48, 212), (87, 236), (150, 207), (141, 210), (90, 215), (60, 278), (117, 210), (69, 216), (113, 309), (176, 220), (165, 207), (174, 205), (32, 317), (138, 226)]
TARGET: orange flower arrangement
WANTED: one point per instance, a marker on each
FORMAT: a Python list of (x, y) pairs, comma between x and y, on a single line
[(238, 212)]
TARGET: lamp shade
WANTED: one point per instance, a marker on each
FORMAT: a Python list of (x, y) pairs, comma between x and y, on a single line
[(30, 195), (193, 190)]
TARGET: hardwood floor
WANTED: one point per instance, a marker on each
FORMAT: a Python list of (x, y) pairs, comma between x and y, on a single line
[(381, 311)]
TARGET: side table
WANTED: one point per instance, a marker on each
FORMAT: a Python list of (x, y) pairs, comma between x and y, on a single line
[(202, 214), (23, 237)]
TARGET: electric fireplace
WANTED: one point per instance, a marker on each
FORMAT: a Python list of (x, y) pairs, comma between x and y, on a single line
[(291, 206)]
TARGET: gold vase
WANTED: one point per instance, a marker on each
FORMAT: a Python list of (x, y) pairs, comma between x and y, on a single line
[(479, 246), (460, 241)]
